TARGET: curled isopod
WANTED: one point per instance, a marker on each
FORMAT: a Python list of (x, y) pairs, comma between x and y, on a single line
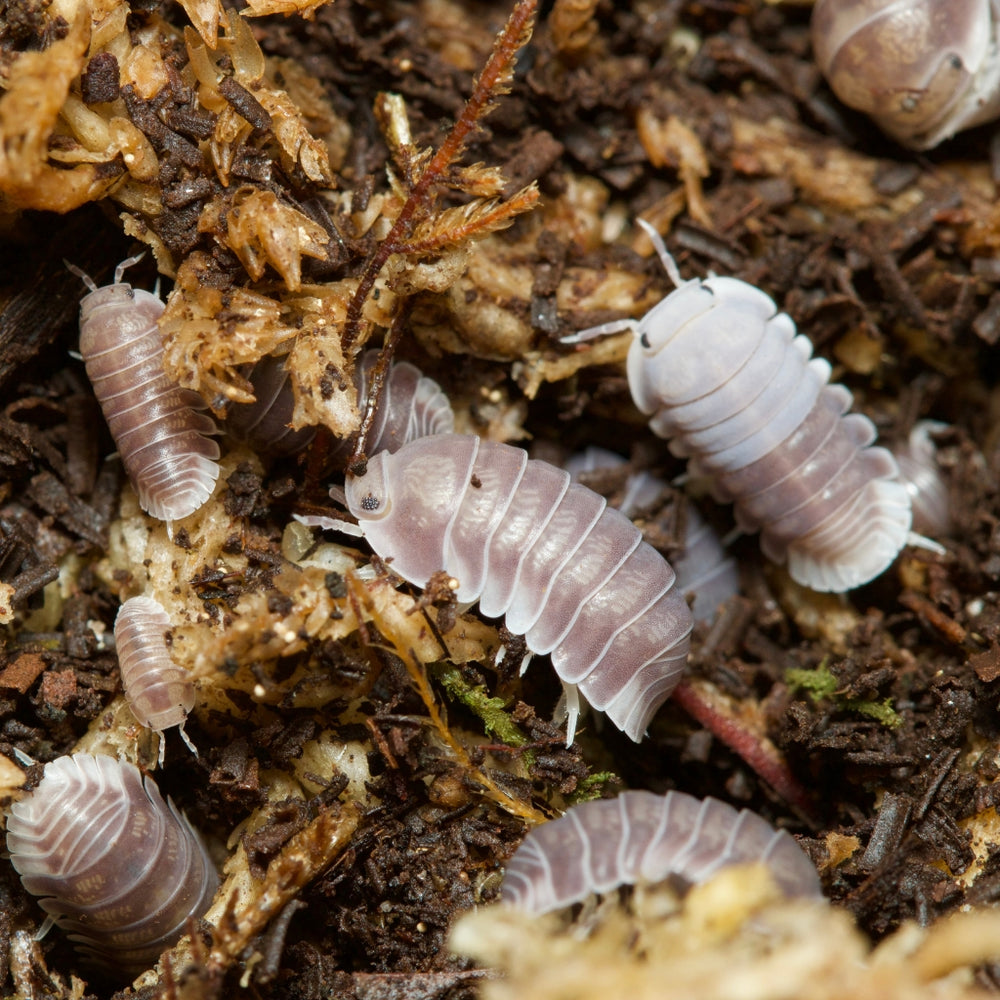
[(411, 406), (703, 567), (159, 692), (641, 837), (920, 473), (265, 424), (729, 382), (160, 434), (116, 867), (922, 69), (567, 571)]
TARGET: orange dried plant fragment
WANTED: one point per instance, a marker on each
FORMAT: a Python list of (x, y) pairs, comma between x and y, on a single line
[(305, 8), (36, 88), (209, 333), (297, 147), (261, 229)]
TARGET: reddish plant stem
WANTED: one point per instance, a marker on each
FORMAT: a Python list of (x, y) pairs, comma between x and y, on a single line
[(764, 758), (515, 33), (379, 375)]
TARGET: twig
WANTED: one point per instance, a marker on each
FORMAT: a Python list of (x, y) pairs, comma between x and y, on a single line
[(378, 377), (494, 78), (702, 701), (419, 677)]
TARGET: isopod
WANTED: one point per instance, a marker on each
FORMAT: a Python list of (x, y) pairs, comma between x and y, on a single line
[(159, 692), (703, 568), (922, 69), (265, 424), (156, 426), (729, 382), (411, 406), (641, 837), (116, 867), (921, 475), (567, 571)]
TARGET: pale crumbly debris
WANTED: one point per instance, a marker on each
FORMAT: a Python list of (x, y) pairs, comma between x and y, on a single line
[(142, 553), (732, 936), (573, 25), (261, 230), (304, 8), (7, 595), (671, 142), (817, 615), (245, 905), (36, 87), (208, 334), (11, 777), (27, 966)]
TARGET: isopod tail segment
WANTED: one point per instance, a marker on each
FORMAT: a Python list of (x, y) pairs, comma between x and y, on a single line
[(566, 571), (725, 377)]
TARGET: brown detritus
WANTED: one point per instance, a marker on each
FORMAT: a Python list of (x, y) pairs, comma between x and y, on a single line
[(934, 616), (304, 857), (420, 680), (887, 262)]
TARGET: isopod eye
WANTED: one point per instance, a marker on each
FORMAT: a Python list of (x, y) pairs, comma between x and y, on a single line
[(368, 495), (644, 340)]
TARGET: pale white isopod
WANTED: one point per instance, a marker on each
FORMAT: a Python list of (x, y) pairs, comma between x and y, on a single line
[(567, 571), (159, 691), (703, 567), (160, 435), (922, 69), (730, 384), (115, 866), (597, 847)]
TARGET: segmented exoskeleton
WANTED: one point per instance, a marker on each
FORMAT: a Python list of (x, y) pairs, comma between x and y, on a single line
[(115, 866), (567, 571), (641, 837)]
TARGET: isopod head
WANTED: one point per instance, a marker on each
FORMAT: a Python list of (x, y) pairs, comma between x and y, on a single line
[(732, 386), (368, 495), (569, 574), (922, 69), (131, 310), (720, 305)]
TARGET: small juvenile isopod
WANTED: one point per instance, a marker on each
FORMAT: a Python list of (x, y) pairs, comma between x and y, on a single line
[(160, 434), (921, 475), (703, 568), (727, 380), (567, 571), (159, 692), (922, 69), (115, 866), (411, 406), (641, 837)]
